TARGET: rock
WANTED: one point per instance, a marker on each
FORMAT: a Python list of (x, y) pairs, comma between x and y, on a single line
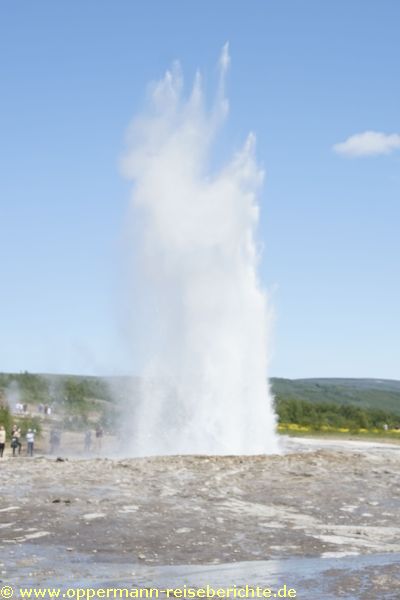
[(91, 516)]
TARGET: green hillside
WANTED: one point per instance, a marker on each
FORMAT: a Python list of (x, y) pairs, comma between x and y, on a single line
[(376, 394), (79, 400), (382, 394)]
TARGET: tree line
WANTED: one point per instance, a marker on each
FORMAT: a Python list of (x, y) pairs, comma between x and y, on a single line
[(328, 414)]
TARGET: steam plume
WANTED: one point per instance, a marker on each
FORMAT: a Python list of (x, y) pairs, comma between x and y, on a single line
[(204, 388)]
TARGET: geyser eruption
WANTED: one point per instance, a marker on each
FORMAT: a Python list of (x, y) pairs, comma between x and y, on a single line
[(204, 389)]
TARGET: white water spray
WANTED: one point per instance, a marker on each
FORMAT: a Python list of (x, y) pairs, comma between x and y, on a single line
[(204, 389)]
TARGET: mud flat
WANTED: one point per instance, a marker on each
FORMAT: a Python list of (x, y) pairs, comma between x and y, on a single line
[(326, 521)]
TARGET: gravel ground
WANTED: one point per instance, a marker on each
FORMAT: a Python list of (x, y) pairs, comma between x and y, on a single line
[(98, 517)]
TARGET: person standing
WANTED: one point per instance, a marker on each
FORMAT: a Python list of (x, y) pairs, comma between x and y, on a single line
[(55, 439), (30, 440), (14, 443), (2, 440), (16, 439), (88, 441), (99, 437)]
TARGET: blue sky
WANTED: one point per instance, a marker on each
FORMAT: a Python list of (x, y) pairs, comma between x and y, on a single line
[(304, 76)]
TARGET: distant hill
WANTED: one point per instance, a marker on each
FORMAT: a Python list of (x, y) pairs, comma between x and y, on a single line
[(383, 394)]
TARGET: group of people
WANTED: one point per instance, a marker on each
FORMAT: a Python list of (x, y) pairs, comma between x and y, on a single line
[(87, 444), (44, 409), (16, 444), (55, 440)]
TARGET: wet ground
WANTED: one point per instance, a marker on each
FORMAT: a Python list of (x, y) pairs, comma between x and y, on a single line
[(322, 518)]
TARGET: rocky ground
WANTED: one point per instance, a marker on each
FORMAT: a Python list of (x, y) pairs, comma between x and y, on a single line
[(104, 518)]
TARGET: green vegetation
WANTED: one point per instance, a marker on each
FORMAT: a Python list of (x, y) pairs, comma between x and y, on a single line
[(34, 389), (24, 423), (25, 388), (5, 418), (337, 404), (75, 400), (363, 393), (317, 416), (315, 404)]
